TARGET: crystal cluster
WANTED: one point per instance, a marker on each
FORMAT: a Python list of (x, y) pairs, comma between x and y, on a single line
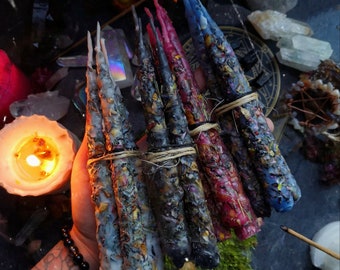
[(48, 103), (271, 24), (297, 48), (302, 52)]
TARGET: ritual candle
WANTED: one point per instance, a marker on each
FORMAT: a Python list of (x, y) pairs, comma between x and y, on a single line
[(37, 156), (14, 85)]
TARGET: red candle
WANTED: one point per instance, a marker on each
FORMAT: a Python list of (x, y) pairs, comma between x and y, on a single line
[(14, 85)]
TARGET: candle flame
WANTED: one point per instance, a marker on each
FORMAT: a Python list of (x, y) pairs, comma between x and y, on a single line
[(36, 158), (33, 160)]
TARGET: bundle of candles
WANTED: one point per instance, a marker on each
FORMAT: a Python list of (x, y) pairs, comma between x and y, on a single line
[(189, 194)]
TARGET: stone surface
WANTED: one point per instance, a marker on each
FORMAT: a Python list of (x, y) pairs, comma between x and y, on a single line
[(271, 24), (324, 24), (278, 5)]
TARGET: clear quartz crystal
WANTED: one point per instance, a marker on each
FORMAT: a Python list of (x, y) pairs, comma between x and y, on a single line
[(47, 103), (297, 49), (303, 43), (303, 53), (271, 24), (298, 59)]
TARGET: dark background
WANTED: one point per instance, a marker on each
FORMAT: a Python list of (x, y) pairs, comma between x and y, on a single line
[(319, 205)]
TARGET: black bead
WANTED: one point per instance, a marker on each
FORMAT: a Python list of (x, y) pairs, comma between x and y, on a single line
[(78, 258), (84, 265), (68, 242), (73, 249), (65, 235), (65, 230)]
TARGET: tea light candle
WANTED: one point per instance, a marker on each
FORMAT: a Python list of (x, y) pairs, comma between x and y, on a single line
[(37, 156)]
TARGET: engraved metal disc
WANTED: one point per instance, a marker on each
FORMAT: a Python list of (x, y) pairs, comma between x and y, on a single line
[(263, 75)]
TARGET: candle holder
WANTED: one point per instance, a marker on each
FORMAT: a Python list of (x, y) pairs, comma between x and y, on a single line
[(38, 155)]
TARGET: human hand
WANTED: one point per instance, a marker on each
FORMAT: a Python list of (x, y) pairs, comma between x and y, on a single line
[(83, 231)]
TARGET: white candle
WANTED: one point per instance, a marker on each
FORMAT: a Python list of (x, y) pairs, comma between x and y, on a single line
[(37, 156), (329, 237)]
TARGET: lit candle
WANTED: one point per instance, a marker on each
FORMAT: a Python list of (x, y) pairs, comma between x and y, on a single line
[(37, 156)]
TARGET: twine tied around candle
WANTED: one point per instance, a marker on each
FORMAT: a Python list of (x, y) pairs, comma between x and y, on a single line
[(115, 156), (236, 103), (157, 157), (203, 127)]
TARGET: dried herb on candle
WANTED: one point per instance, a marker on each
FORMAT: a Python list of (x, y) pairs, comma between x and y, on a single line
[(153, 239), (194, 108), (165, 192), (281, 188), (193, 101), (212, 83), (123, 164), (233, 204), (221, 231), (230, 135), (203, 241), (100, 174)]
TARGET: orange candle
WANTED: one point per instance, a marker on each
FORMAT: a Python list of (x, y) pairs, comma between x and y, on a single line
[(37, 156)]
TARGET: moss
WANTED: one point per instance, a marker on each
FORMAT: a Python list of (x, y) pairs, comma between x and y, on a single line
[(235, 254)]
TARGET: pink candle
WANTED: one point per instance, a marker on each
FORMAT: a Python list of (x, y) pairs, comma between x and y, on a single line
[(14, 85)]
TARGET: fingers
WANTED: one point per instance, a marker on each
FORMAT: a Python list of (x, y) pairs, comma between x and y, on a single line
[(80, 160), (270, 124), (81, 189), (200, 79)]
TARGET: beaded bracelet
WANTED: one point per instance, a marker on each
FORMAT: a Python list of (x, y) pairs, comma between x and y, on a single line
[(77, 258)]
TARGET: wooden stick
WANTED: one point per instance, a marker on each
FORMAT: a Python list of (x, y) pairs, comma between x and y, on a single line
[(310, 242)]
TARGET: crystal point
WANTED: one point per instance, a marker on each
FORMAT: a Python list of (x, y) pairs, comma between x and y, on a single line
[(302, 52), (298, 59), (271, 24), (47, 103), (299, 42)]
